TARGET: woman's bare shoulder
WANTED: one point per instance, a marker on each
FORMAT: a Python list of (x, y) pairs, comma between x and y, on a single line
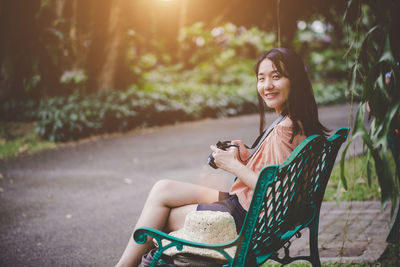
[(286, 122), (286, 125)]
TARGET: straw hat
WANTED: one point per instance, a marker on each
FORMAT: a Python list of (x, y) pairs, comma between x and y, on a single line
[(208, 227)]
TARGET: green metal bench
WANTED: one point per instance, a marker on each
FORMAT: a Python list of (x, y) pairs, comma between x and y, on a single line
[(287, 198)]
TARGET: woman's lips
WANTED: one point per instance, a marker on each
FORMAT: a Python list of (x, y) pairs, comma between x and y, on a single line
[(271, 95)]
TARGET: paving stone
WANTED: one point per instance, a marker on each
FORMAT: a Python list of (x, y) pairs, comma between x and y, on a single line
[(350, 232)]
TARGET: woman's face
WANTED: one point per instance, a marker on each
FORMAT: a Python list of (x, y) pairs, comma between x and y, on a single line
[(272, 86)]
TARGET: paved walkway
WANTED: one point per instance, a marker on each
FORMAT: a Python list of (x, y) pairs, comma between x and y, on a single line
[(350, 232), (76, 205)]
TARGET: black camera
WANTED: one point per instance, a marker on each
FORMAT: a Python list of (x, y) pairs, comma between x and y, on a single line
[(221, 145)]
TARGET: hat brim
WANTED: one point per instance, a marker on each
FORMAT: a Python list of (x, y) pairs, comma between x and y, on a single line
[(210, 253)]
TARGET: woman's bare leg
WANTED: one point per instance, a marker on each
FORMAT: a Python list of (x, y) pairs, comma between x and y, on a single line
[(165, 209)]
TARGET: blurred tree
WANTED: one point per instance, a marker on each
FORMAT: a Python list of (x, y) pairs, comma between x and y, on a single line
[(291, 11), (99, 38), (48, 41), (114, 46), (18, 67)]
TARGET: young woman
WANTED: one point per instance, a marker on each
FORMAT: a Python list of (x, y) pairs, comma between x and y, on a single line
[(282, 85)]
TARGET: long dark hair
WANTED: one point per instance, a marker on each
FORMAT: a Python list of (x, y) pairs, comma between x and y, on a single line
[(300, 106)]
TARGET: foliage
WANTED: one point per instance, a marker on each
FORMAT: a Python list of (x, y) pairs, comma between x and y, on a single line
[(217, 80), (359, 187), (18, 138), (225, 55), (47, 40), (376, 55), (329, 63), (391, 256), (18, 110), (224, 43), (330, 93), (325, 51), (73, 77), (214, 52), (81, 115), (326, 59), (214, 78)]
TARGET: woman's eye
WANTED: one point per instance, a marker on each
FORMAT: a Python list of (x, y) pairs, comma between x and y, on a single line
[(260, 79), (275, 76)]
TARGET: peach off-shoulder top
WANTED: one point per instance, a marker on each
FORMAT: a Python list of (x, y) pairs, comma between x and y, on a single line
[(274, 150)]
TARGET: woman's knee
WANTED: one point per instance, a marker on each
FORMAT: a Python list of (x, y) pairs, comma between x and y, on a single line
[(162, 188), (163, 185)]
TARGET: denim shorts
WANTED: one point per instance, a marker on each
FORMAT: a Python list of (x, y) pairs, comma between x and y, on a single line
[(227, 203)]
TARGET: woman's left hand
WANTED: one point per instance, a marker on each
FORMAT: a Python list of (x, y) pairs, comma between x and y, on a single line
[(226, 160)]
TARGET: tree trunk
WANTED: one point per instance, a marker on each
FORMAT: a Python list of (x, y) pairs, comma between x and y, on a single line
[(59, 8), (182, 24), (17, 48), (106, 79)]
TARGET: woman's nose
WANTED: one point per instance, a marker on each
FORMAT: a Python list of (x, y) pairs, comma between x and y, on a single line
[(268, 84)]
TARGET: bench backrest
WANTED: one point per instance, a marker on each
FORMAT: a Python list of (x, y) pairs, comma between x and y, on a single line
[(287, 198)]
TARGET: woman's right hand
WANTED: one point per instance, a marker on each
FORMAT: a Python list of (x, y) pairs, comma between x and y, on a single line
[(243, 152)]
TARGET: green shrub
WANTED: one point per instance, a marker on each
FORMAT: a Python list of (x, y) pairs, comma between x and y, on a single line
[(81, 115), (170, 97), (359, 188), (331, 93), (18, 110)]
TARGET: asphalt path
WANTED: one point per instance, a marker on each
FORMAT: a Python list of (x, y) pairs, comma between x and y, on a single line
[(76, 205)]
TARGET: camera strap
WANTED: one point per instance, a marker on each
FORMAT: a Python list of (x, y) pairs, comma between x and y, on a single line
[(256, 145)]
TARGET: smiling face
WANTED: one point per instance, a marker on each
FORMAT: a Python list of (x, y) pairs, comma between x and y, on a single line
[(272, 85)]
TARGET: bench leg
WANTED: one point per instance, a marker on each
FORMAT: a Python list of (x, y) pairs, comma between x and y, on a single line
[(394, 144), (314, 254)]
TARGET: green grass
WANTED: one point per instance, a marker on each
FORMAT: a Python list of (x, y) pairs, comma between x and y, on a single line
[(357, 183), (389, 258), (20, 137), (306, 264)]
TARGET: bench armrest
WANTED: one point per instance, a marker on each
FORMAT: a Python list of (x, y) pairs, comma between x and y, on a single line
[(140, 236)]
